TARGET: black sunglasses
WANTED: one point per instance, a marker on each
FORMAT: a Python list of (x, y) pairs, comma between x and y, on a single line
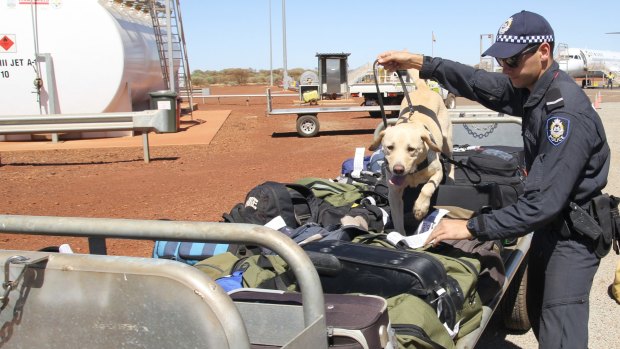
[(515, 60)]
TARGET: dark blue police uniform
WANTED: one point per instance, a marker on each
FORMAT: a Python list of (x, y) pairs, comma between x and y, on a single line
[(567, 160)]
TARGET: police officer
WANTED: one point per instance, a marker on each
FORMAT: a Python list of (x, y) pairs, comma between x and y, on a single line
[(567, 160)]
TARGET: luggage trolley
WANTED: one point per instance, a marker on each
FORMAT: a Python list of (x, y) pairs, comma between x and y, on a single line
[(108, 301), (487, 128)]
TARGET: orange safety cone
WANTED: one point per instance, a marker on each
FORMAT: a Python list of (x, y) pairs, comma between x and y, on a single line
[(597, 101)]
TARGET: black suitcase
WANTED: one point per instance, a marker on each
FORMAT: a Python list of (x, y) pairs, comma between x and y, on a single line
[(355, 321), (346, 267)]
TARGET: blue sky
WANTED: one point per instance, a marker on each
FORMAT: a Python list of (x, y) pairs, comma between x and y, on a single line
[(235, 33)]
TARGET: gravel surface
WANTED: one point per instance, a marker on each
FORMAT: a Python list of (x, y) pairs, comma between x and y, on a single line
[(200, 182)]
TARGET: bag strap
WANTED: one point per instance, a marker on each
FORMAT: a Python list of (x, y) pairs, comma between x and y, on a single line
[(463, 166), (279, 282), (313, 203), (383, 199), (234, 216)]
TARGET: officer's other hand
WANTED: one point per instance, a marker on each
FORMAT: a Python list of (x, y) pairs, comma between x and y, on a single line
[(449, 229), (399, 60)]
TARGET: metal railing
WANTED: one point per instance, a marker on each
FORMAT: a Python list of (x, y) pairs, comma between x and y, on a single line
[(473, 116), (198, 94), (249, 234), (148, 120)]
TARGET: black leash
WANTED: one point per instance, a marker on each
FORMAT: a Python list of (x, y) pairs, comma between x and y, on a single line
[(460, 164), (402, 83), (380, 96)]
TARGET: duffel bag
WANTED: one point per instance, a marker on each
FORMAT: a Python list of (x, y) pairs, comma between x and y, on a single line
[(416, 324)]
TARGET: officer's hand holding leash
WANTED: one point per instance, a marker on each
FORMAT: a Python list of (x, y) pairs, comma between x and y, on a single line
[(400, 60)]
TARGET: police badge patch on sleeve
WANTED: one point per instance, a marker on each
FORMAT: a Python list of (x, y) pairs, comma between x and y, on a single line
[(557, 129)]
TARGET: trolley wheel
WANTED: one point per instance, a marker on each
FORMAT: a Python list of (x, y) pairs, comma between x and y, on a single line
[(307, 125), (450, 101), (513, 306)]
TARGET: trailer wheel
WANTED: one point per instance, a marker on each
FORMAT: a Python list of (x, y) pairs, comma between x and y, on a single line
[(450, 101), (307, 125), (513, 305)]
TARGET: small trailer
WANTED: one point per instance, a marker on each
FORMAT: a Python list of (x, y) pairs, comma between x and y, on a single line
[(392, 90), (308, 117)]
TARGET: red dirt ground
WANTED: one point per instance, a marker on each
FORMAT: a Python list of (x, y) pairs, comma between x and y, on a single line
[(182, 182), (186, 182)]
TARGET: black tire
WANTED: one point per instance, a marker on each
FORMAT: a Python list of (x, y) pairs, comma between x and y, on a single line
[(514, 303), (450, 101), (308, 125)]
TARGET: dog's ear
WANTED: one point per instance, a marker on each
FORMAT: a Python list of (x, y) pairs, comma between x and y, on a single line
[(376, 142), (426, 137)]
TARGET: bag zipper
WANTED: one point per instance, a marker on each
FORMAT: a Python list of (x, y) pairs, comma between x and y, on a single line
[(417, 332)]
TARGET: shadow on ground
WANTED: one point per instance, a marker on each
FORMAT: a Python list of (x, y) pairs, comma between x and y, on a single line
[(325, 133), (17, 164)]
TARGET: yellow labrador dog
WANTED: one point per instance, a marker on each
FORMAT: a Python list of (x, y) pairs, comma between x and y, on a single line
[(413, 148)]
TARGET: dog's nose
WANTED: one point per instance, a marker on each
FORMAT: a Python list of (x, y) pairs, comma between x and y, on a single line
[(399, 169)]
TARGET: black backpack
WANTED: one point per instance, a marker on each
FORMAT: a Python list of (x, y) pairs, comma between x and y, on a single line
[(295, 203), (494, 173), (484, 179)]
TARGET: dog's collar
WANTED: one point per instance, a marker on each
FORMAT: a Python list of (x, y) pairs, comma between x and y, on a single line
[(423, 165), (406, 112)]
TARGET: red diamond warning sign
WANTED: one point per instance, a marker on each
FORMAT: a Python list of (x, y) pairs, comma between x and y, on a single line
[(7, 43)]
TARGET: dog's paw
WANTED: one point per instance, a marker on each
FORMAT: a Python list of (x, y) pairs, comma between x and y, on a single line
[(420, 210)]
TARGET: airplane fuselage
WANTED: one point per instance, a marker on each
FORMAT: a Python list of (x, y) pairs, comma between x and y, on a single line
[(580, 63)]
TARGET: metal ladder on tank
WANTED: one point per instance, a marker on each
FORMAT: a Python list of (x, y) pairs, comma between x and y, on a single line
[(179, 50)]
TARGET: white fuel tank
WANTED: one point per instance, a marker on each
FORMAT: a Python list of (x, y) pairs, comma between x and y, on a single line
[(94, 56)]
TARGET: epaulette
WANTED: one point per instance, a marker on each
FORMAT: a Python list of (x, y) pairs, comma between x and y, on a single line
[(553, 99)]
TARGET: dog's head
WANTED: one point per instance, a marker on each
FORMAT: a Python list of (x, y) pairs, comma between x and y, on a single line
[(405, 146)]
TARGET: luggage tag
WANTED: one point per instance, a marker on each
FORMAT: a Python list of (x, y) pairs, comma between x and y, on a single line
[(358, 163)]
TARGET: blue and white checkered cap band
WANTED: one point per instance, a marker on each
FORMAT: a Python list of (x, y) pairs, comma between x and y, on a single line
[(525, 39)]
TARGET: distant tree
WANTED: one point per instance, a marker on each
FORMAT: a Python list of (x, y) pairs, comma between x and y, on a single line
[(240, 76), (199, 78), (295, 73)]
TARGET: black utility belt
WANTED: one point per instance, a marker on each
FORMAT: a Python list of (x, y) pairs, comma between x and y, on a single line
[(598, 220)]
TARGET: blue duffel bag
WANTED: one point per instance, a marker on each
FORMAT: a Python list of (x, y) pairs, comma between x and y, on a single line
[(193, 252)]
